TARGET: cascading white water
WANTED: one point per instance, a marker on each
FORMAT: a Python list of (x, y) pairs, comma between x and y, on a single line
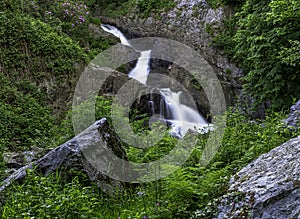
[(141, 70), (181, 117), (180, 110), (113, 30)]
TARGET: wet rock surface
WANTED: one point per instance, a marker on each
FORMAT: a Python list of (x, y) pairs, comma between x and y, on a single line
[(270, 186)]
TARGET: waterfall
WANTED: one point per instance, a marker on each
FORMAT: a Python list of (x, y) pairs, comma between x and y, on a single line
[(181, 117), (141, 70), (113, 30)]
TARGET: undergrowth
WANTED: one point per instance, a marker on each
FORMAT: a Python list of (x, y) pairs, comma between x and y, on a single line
[(188, 189), (141, 8)]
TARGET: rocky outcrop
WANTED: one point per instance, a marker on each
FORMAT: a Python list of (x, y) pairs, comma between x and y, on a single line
[(193, 23), (270, 186), (293, 119), (95, 142)]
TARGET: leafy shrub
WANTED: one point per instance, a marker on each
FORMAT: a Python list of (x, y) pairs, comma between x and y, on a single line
[(75, 13), (35, 49), (145, 7), (142, 8), (220, 3), (71, 18), (52, 198), (264, 37)]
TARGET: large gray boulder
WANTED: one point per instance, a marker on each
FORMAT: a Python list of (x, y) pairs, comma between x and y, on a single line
[(86, 152), (270, 186)]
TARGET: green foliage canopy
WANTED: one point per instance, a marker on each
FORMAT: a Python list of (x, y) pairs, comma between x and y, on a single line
[(267, 47)]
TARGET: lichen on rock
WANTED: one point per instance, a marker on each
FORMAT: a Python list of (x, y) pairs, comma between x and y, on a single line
[(271, 185)]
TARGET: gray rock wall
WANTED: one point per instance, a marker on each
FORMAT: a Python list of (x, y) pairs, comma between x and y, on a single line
[(192, 23)]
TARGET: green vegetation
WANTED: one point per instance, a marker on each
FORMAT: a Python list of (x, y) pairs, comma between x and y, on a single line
[(44, 47), (145, 7), (221, 3), (180, 194), (41, 58), (141, 8), (263, 38)]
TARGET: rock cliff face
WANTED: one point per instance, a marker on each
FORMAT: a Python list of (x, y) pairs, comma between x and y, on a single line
[(192, 23), (270, 186)]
